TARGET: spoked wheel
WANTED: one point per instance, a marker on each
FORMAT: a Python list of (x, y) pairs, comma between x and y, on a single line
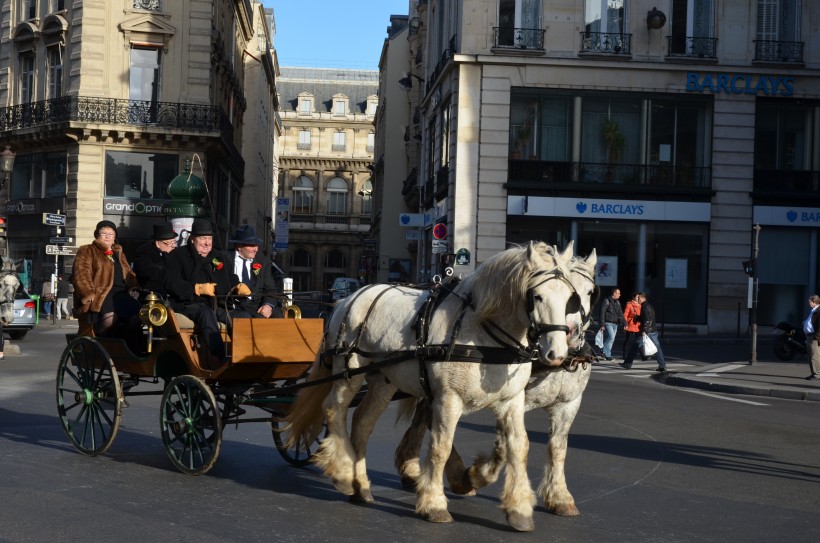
[(301, 453), (89, 396), (190, 425)]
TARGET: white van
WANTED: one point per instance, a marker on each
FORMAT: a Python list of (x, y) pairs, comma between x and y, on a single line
[(342, 286)]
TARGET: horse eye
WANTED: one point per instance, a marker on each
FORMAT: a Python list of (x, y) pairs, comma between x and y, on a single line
[(538, 298)]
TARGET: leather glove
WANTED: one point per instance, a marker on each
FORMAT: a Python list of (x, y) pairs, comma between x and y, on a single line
[(205, 289), (242, 289)]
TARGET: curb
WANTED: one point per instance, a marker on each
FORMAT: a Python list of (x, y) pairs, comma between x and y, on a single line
[(749, 390)]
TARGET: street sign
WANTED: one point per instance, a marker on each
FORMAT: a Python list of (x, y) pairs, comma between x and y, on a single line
[(52, 219), (60, 250), (60, 240), (440, 231), (439, 246)]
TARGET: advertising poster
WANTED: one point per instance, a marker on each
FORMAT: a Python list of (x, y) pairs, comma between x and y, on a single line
[(676, 273), (606, 271)]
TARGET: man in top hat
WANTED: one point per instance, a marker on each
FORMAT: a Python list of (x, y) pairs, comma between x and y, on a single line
[(196, 274), (149, 262), (251, 269)]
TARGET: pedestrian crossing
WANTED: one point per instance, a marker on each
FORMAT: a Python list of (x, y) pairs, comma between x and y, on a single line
[(640, 369)]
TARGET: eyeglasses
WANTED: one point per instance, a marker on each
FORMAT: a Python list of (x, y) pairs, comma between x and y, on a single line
[(107, 234), (169, 243)]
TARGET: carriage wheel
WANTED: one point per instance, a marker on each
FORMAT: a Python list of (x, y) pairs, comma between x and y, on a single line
[(301, 454), (89, 396), (190, 425)]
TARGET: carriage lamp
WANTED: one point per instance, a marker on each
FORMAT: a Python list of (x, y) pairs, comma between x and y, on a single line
[(655, 19), (6, 165)]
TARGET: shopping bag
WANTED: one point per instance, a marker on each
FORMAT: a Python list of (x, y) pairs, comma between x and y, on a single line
[(648, 347), (599, 339)]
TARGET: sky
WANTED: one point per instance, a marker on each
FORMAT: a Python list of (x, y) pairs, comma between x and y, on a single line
[(332, 33)]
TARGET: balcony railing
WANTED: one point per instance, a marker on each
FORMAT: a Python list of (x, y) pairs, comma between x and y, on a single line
[(519, 38), (692, 47), (606, 43), (597, 173), (330, 221), (779, 51), (337, 147), (787, 181), (303, 146)]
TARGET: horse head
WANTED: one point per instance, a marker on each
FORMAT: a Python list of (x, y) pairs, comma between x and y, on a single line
[(579, 314), (8, 287)]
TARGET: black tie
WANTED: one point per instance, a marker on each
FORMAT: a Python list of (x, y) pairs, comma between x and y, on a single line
[(246, 275)]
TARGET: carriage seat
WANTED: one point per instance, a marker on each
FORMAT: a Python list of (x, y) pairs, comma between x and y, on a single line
[(185, 323)]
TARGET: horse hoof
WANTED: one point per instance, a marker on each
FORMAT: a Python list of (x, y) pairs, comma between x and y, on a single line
[(520, 523), (408, 483), (563, 509), (344, 487), (362, 496), (439, 516)]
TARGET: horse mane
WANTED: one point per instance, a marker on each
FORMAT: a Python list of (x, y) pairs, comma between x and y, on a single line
[(504, 278)]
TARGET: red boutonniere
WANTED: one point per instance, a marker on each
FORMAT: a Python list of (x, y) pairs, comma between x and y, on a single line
[(217, 263), (110, 254), (256, 267)]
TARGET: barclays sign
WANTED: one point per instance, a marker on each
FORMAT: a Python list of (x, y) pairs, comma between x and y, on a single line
[(767, 85), (787, 216)]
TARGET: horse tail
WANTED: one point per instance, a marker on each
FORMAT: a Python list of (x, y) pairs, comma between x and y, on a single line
[(303, 423)]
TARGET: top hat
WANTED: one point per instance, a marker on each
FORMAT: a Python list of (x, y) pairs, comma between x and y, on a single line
[(163, 232), (202, 227), (105, 224), (246, 235)]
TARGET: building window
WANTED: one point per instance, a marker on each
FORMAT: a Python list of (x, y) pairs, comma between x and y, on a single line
[(692, 28), (519, 24), (339, 140), (372, 104), (26, 77), (778, 31), (139, 175), (304, 140), (144, 76), (305, 106), (337, 196), (335, 259), (302, 195), (38, 176), (605, 29), (57, 5), (55, 71), (784, 147), (300, 264), (367, 197), (371, 142), (28, 9), (339, 107)]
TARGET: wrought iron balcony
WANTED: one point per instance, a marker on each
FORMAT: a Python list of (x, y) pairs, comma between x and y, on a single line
[(338, 147), (606, 43), (691, 47), (519, 38), (303, 146), (779, 51), (791, 182), (553, 172)]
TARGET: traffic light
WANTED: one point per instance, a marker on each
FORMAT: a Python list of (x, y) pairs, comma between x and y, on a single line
[(4, 242), (749, 267)]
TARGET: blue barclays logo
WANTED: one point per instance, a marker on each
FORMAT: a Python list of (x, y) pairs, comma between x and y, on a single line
[(791, 216), (581, 207)]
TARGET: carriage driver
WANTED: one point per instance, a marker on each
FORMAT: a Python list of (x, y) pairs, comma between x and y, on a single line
[(195, 274), (251, 269)]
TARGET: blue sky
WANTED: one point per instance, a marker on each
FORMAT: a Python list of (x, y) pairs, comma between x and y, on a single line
[(332, 33)]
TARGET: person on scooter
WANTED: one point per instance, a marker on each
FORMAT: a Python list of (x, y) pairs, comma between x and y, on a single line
[(811, 326)]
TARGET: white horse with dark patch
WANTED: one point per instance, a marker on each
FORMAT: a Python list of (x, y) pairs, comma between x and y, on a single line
[(557, 391), (465, 349), (9, 283)]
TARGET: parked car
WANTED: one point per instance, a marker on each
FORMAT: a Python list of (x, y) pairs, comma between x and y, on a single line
[(342, 287), (25, 315)]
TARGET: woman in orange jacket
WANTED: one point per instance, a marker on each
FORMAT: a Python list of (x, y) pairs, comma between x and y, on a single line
[(632, 315)]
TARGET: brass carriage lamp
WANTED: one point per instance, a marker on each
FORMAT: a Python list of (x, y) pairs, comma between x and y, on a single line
[(6, 165)]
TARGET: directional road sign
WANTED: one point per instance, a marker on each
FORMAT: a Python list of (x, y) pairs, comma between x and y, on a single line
[(52, 219), (60, 250), (60, 240)]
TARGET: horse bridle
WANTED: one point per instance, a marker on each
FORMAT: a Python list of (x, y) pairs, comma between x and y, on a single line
[(573, 304)]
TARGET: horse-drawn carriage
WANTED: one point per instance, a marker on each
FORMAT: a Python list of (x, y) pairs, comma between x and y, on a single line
[(267, 359)]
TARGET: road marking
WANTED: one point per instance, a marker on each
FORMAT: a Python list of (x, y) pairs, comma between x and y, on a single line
[(718, 396), (717, 371)]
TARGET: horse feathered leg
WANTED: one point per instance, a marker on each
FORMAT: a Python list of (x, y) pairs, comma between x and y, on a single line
[(553, 488), (486, 468), (408, 452), (517, 498), (431, 502), (378, 396)]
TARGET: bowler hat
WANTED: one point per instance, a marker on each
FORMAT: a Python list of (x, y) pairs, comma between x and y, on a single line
[(163, 232), (202, 227), (105, 224), (245, 235)]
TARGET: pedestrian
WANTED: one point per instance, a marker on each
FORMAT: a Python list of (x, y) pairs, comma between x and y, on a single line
[(649, 332), (612, 316), (811, 326), (62, 297), (632, 314), (47, 296)]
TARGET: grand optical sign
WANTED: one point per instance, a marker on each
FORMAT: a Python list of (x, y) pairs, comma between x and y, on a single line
[(787, 216), (767, 85), (584, 208), (145, 208)]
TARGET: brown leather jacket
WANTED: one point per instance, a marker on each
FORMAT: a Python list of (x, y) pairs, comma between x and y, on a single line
[(93, 276)]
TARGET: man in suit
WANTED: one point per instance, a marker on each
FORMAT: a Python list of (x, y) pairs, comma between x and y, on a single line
[(149, 263), (253, 270)]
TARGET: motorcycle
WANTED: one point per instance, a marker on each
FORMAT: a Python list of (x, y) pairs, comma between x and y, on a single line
[(789, 342)]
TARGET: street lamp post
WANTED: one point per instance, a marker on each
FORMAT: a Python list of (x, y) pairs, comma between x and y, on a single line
[(6, 165)]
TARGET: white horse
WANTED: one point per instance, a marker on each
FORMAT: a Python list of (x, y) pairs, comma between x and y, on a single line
[(557, 391), (9, 283), (473, 348)]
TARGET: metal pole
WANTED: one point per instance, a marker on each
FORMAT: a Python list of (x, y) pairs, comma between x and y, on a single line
[(753, 314)]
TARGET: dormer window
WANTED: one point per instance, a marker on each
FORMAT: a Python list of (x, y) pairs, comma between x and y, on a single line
[(339, 107), (305, 105), (372, 104)]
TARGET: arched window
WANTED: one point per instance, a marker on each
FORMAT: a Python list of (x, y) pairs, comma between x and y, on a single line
[(367, 197), (302, 195), (300, 259), (335, 259), (337, 196)]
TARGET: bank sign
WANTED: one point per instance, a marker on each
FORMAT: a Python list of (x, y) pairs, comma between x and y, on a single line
[(767, 85), (598, 208), (787, 216)]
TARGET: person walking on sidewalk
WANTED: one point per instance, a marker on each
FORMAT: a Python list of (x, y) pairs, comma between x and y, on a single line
[(632, 316), (649, 332), (811, 326), (612, 316), (62, 298)]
